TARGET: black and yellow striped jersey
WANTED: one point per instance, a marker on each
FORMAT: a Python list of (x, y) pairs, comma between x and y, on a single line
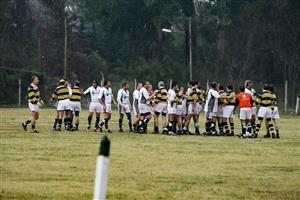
[(191, 96), (201, 95), (61, 93), (265, 99), (179, 97), (33, 94), (161, 96), (231, 100), (274, 102), (76, 94), (221, 101)]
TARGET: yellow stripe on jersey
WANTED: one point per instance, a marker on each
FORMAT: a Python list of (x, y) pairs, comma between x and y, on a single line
[(33, 94), (76, 94), (265, 99), (274, 102), (179, 97), (162, 96), (231, 100), (192, 96), (61, 93)]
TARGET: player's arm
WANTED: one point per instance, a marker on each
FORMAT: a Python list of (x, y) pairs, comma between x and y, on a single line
[(119, 98), (113, 98), (87, 91), (100, 98)]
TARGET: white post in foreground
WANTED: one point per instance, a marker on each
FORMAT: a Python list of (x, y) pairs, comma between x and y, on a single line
[(102, 170), (297, 106)]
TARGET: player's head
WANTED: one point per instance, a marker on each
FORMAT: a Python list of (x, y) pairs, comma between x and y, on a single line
[(67, 82), (146, 84), (271, 88), (150, 88), (266, 86), (125, 85), (77, 83), (221, 87), (139, 86), (229, 87), (214, 85), (161, 84), (174, 85), (242, 88), (34, 80), (190, 84), (107, 84), (196, 84), (62, 82), (248, 84), (94, 83)]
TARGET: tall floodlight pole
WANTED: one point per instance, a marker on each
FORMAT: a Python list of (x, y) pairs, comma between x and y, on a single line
[(65, 50), (190, 48)]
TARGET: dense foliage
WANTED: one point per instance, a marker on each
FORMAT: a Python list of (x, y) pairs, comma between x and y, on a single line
[(232, 41)]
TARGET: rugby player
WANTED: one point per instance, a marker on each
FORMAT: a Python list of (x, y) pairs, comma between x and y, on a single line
[(265, 101), (34, 102), (124, 107), (62, 94), (275, 114), (179, 108), (135, 105), (172, 112), (75, 100), (245, 101), (220, 109), (228, 110), (95, 106), (211, 109), (160, 107), (191, 100), (105, 98), (249, 88), (144, 107)]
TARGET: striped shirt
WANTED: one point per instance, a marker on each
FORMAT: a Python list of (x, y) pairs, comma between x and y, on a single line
[(33, 94), (76, 94), (61, 93), (265, 99)]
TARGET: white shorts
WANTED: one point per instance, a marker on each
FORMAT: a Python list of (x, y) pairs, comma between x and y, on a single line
[(265, 113), (63, 105), (198, 109), (190, 110), (161, 108), (275, 113), (107, 108), (210, 115), (253, 111), (75, 105), (34, 107), (125, 108), (228, 111), (179, 110), (172, 110), (220, 111), (144, 108), (95, 107), (245, 113)]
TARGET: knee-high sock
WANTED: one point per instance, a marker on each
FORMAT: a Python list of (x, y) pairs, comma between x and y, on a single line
[(89, 120), (232, 127), (120, 123), (258, 128), (97, 122), (106, 123)]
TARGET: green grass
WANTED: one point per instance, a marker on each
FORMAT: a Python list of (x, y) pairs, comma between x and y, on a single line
[(62, 166)]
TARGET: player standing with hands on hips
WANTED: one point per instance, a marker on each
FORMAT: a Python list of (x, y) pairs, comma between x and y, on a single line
[(34, 102)]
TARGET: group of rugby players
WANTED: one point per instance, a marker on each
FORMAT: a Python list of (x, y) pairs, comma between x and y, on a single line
[(176, 106)]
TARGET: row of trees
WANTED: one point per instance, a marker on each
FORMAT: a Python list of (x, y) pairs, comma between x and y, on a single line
[(231, 41)]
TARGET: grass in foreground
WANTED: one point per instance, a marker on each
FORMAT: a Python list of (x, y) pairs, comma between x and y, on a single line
[(62, 166)]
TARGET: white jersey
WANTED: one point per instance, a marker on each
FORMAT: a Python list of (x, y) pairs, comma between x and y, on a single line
[(144, 95), (211, 104), (171, 97), (106, 95), (94, 92), (123, 97), (250, 91)]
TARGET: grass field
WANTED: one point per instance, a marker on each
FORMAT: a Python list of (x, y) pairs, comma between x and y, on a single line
[(62, 166)]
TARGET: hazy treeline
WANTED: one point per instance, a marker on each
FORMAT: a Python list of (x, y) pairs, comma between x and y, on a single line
[(232, 40)]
